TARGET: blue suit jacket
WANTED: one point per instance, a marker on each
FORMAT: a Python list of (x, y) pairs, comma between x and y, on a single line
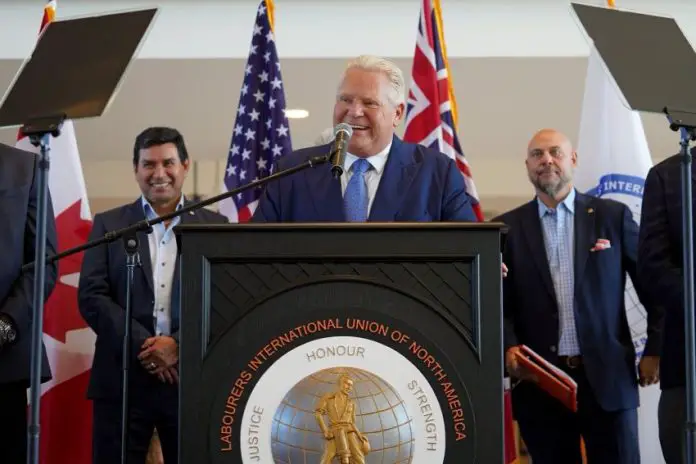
[(102, 298), (18, 203), (418, 184), (660, 265), (530, 305)]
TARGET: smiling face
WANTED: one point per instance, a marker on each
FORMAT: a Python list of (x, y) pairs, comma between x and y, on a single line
[(363, 102), (160, 174)]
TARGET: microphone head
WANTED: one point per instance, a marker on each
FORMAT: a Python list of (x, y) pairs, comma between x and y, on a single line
[(343, 127)]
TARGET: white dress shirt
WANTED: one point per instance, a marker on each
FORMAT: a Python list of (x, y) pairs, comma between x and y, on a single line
[(163, 252), (372, 176)]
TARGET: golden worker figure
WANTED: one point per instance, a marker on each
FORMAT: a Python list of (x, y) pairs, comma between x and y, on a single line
[(343, 439)]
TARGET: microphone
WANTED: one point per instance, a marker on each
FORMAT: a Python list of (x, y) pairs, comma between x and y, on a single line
[(342, 134)]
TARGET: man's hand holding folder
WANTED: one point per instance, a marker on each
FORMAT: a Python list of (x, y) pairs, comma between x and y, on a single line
[(525, 364), (515, 368)]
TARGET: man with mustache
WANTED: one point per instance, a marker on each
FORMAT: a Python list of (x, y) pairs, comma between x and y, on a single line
[(160, 163), (568, 255), (384, 178)]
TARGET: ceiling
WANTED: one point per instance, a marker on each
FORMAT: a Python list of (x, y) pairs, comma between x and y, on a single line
[(501, 102)]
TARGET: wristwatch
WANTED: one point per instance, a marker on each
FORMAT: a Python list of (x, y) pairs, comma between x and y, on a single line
[(8, 335)]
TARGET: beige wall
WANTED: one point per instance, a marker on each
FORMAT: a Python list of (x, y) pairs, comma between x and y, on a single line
[(492, 206), (501, 102), (111, 183)]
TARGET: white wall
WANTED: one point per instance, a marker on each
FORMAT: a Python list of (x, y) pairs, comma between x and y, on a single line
[(332, 28)]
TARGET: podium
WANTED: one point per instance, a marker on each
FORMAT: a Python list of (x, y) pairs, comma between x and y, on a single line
[(302, 341)]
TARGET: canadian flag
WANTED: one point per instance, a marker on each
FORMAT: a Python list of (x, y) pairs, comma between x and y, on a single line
[(66, 414)]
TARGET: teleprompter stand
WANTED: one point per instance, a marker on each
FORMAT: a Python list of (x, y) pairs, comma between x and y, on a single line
[(657, 78), (73, 73)]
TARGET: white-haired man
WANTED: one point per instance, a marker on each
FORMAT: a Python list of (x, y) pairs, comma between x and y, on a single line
[(415, 183)]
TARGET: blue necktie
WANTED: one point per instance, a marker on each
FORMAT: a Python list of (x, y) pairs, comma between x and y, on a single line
[(355, 199)]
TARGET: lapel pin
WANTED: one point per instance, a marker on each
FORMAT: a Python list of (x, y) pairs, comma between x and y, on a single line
[(191, 213), (590, 210)]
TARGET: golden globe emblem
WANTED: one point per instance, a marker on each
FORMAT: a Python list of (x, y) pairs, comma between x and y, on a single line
[(342, 415), (395, 415)]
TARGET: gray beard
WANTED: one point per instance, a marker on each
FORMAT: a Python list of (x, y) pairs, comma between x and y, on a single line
[(552, 189)]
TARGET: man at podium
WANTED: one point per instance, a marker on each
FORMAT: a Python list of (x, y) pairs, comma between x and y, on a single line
[(384, 178), (568, 255)]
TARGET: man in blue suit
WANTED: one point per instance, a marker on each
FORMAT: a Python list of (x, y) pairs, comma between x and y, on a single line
[(568, 255), (18, 203), (396, 181), (160, 162), (661, 269)]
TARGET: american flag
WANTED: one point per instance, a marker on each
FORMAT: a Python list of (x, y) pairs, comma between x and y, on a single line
[(431, 113), (261, 132)]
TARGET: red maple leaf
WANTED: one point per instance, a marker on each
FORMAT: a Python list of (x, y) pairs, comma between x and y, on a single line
[(61, 314)]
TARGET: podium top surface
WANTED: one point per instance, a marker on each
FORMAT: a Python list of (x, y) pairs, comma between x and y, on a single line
[(343, 240), (324, 226)]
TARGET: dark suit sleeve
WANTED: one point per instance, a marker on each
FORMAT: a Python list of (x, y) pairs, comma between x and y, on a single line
[(509, 336), (100, 311), (456, 202), (656, 268), (268, 209), (19, 303), (629, 253)]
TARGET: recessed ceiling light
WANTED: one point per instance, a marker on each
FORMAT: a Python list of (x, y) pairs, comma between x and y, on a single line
[(296, 113)]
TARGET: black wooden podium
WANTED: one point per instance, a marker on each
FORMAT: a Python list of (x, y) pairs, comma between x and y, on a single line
[(372, 342)]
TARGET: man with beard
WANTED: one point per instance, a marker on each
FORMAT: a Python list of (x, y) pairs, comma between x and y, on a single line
[(160, 162), (568, 255)]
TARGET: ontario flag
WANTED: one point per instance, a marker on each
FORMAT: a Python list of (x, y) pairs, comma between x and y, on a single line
[(431, 120), (431, 113), (66, 414)]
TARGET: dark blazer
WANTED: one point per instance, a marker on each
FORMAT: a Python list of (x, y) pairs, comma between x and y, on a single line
[(418, 184), (18, 203), (530, 305), (660, 265), (102, 298)]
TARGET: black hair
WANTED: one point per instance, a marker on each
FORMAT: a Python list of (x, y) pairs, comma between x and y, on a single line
[(153, 136)]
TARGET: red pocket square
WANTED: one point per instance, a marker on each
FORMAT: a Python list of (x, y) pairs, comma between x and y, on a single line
[(602, 244)]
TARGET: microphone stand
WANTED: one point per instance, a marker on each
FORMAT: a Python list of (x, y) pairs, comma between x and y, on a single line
[(39, 132), (688, 133), (130, 242)]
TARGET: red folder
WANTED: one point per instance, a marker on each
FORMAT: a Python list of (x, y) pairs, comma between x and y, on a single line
[(549, 378)]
